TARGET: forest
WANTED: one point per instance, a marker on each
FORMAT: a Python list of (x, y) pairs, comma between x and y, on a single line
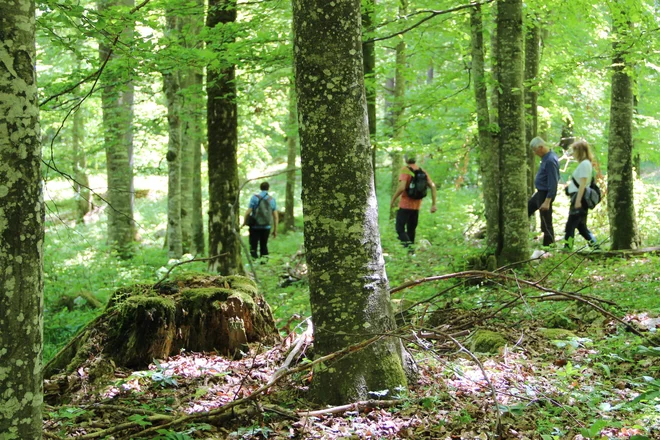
[(270, 219)]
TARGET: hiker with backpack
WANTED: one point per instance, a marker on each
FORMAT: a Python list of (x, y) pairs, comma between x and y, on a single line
[(545, 183), (413, 187), (582, 193), (261, 217)]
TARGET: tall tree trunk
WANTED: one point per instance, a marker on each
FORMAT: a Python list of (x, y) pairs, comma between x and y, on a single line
[(348, 284), (117, 103), (489, 150), (172, 90), (532, 41), (81, 185), (21, 229), (514, 224), (191, 26), (620, 181), (369, 60), (494, 69), (398, 106), (222, 132), (292, 153), (199, 243)]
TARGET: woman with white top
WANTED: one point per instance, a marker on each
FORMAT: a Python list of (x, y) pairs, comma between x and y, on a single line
[(580, 181)]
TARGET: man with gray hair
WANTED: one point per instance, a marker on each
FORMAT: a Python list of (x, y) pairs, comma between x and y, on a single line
[(545, 182)]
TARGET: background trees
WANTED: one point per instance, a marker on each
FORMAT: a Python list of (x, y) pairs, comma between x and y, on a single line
[(249, 58)]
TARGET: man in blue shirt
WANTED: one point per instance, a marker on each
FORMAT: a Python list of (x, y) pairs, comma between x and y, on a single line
[(261, 216), (545, 182)]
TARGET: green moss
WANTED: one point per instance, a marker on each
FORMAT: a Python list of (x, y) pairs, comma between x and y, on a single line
[(486, 341), (205, 295), (556, 333), (243, 284), (147, 302), (559, 320)]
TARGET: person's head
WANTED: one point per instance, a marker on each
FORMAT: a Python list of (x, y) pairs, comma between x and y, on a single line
[(582, 151), (264, 186), (410, 157), (538, 146)]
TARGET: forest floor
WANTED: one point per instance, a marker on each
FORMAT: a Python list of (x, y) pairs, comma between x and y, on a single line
[(579, 361)]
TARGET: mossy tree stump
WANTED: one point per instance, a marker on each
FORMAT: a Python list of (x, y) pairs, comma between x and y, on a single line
[(195, 313)]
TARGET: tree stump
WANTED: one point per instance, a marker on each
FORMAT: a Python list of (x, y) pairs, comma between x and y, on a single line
[(195, 313)]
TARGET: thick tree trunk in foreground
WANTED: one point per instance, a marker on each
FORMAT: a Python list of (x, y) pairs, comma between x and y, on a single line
[(292, 153), (620, 180), (348, 285), (21, 229), (532, 41), (81, 185), (489, 150), (117, 102), (514, 224), (222, 127)]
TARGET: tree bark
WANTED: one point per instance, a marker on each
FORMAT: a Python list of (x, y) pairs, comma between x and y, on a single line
[(292, 153), (81, 185), (398, 107), (172, 88), (198, 219), (624, 233), (21, 228), (532, 41), (117, 98), (348, 285), (191, 137), (369, 61), (514, 224), (222, 132), (489, 150)]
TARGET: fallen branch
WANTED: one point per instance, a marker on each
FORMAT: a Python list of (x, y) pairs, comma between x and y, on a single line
[(356, 406), (469, 274)]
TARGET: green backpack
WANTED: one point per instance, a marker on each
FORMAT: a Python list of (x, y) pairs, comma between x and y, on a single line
[(263, 213)]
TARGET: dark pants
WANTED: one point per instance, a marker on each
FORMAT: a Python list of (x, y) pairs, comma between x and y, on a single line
[(259, 237), (533, 205), (406, 224), (577, 219)]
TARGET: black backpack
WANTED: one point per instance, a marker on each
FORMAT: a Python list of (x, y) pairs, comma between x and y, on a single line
[(418, 184), (592, 194)]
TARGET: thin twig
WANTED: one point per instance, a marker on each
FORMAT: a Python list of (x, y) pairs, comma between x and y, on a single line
[(194, 260), (462, 348), (425, 19)]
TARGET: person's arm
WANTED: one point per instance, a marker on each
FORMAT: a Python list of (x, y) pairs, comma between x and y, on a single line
[(399, 190), (552, 173), (580, 194), (245, 217), (434, 194), (276, 220)]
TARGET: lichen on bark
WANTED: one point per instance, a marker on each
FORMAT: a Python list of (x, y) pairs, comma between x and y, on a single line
[(21, 228), (348, 284)]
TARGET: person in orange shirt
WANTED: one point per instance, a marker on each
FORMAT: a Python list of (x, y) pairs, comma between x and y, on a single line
[(408, 215)]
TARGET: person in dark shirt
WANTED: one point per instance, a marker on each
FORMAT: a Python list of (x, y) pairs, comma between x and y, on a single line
[(545, 182)]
